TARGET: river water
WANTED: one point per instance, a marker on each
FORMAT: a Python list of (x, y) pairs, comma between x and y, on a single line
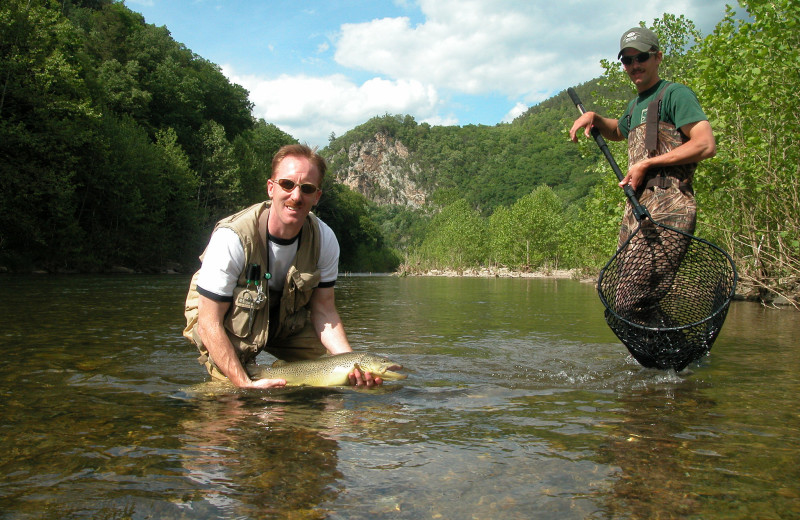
[(519, 404)]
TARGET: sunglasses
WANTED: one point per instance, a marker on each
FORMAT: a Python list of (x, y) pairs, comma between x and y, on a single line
[(640, 58), (289, 185)]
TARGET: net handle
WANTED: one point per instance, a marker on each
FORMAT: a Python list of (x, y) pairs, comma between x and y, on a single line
[(639, 211)]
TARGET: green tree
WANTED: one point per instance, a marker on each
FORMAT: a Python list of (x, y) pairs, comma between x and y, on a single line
[(747, 77), (220, 189), (527, 235), (361, 242), (178, 234), (253, 151), (46, 120), (590, 233), (456, 238), (123, 197)]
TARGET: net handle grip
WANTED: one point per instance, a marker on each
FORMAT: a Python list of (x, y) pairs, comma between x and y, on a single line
[(639, 211)]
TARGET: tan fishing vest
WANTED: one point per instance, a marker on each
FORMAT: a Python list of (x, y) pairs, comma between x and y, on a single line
[(247, 322)]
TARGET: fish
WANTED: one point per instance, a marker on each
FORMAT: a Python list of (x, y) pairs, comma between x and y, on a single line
[(330, 370)]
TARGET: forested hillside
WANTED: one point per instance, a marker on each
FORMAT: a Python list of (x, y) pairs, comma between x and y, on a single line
[(489, 166), (121, 147), (116, 140)]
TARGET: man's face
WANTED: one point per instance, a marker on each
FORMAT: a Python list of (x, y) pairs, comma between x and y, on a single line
[(643, 74), (290, 208)]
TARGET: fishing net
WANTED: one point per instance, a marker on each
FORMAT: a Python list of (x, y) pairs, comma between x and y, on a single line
[(666, 295)]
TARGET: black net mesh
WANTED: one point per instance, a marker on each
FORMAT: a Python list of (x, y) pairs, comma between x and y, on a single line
[(666, 295)]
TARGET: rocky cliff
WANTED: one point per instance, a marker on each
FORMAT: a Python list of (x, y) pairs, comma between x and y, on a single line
[(381, 169)]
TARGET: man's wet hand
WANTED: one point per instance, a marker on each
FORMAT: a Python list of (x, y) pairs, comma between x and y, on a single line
[(357, 378)]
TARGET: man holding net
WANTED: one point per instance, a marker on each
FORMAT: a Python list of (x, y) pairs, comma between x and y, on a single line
[(668, 134)]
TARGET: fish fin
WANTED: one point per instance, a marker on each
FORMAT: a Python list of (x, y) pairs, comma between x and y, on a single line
[(279, 363)]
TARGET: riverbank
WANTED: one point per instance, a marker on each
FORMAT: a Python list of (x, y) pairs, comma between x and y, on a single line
[(745, 290), (504, 272), (785, 295)]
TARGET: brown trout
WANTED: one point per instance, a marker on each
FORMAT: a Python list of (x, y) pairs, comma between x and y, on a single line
[(328, 370)]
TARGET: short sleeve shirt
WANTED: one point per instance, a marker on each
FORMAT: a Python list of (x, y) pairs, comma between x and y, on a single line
[(224, 262), (680, 107)]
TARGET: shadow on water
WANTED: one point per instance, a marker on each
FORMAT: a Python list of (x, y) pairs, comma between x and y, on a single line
[(520, 403)]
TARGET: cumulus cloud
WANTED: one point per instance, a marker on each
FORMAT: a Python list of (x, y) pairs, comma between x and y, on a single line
[(523, 52), (310, 108), (518, 110), (478, 47)]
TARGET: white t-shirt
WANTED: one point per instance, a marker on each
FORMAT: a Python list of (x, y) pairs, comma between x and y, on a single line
[(224, 261)]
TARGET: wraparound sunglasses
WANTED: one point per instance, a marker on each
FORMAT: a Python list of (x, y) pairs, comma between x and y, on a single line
[(640, 58)]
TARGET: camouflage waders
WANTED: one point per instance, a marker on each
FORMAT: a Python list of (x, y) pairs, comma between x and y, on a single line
[(668, 197)]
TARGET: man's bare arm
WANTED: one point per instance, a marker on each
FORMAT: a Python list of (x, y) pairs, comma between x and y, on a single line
[(210, 328), (329, 327), (609, 128)]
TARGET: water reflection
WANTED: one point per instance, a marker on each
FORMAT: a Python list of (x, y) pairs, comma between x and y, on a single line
[(649, 445), (247, 461), (706, 443)]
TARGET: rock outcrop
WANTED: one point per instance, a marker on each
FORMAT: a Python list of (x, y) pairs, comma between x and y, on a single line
[(382, 170)]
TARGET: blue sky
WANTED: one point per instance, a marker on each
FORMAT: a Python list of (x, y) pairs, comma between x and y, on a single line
[(314, 67)]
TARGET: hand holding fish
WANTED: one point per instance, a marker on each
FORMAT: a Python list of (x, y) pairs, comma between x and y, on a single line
[(357, 378)]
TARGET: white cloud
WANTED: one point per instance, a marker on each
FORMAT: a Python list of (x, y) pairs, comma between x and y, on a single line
[(310, 108), (525, 51), (515, 112), (477, 47)]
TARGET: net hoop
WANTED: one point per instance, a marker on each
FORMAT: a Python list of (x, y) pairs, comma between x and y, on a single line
[(672, 345)]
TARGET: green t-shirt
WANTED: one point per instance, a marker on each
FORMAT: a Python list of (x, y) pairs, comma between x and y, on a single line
[(679, 107)]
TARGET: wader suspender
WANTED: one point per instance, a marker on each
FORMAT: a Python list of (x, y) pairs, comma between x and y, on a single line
[(653, 116), (651, 142), (651, 121)]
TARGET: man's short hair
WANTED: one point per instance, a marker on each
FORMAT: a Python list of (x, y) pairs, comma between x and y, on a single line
[(300, 150)]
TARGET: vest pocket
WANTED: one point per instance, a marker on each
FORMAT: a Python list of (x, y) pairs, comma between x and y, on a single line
[(301, 286), (247, 305), (297, 293)]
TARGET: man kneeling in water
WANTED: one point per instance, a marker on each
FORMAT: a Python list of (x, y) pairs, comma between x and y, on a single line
[(266, 280)]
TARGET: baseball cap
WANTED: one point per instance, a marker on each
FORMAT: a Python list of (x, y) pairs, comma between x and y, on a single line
[(638, 38)]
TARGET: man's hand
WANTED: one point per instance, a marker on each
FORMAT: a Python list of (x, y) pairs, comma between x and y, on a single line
[(636, 175), (608, 128), (586, 121), (358, 379)]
